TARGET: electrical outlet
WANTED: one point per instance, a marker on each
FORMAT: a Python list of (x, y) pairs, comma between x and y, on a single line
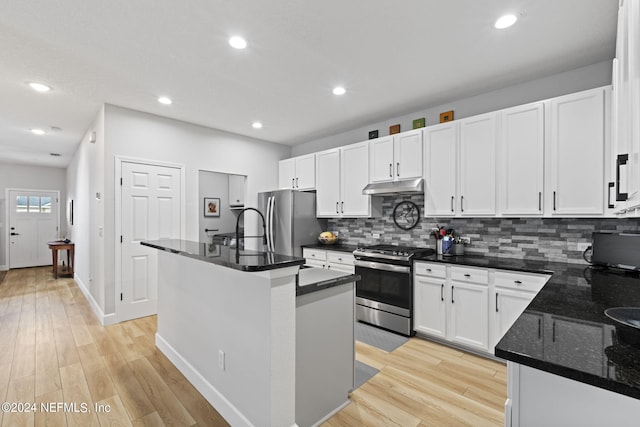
[(375, 235), (221, 359), (465, 239)]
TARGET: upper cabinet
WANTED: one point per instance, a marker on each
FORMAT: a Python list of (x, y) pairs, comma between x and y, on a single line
[(396, 157), (342, 173), (521, 160), (478, 165), (236, 191), (626, 110), (576, 151), (297, 173), (441, 170)]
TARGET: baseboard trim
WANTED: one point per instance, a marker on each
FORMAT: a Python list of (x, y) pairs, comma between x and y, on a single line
[(105, 319), (4, 268), (230, 413)]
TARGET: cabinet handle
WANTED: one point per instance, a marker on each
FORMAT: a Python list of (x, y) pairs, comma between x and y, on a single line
[(540, 201), (390, 170), (452, 203), (554, 200), (553, 330), (293, 183), (398, 168), (297, 186), (517, 282), (337, 211), (313, 255), (621, 160), (461, 203), (496, 302), (428, 270), (609, 204), (539, 328), (339, 259), (442, 292), (452, 288), (467, 275), (328, 266), (341, 207)]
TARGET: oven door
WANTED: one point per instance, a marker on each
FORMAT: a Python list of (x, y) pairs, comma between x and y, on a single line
[(384, 287)]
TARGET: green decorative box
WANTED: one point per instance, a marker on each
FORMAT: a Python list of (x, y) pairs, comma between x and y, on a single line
[(418, 123)]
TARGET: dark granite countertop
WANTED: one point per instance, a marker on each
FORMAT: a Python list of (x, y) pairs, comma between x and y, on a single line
[(335, 247), (316, 279), (225, 256), (564, 330)]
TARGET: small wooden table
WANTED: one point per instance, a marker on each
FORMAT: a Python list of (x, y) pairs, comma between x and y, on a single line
[(62, 246)]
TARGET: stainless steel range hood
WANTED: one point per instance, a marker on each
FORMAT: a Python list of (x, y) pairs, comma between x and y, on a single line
[(408, 186)]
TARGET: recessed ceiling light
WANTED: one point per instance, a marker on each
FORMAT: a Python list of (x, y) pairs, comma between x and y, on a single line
[(38, 131), (339, 90), (165, 100), (39, 87), (505, 21), (237, 42), (257, 125)]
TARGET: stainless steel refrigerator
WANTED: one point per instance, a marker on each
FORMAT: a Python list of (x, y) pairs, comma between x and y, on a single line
[(290, 220)]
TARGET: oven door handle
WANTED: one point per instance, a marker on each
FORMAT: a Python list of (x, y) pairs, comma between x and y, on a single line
[(382, 266)]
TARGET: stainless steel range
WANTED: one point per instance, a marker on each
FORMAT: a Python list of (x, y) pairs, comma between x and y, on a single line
[(384, 293)]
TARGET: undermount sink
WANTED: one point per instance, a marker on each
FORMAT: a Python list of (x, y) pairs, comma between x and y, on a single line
[(629, 316)]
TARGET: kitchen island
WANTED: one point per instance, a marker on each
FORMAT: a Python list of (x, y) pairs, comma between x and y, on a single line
[(227, 320)]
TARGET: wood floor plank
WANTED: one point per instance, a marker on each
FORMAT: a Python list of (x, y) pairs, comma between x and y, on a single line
[(130, 391), (47, 373), (76, 392), (50, 418), (20, 390), (200, 410), (116, 416), (151, 420), (100, 384)]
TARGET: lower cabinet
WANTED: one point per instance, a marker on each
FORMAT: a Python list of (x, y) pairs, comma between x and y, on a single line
[(469, 306), (334, 260)]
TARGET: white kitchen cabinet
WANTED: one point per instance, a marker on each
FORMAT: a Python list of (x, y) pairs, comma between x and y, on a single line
[(441, 171), (576, 149), (297, 173), (396, 157), (468, 321), (328, 259), (521, 160), (314, 257), (342, 174), (236, 191), (478, 165), (430, 301)]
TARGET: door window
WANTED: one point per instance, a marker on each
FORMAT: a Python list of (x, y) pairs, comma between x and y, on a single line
[(33, 204)]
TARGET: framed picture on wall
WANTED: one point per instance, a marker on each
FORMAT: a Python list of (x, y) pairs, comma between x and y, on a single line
[(211, 206)]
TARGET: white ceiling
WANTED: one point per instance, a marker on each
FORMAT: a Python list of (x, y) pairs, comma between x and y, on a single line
[(392, 57)]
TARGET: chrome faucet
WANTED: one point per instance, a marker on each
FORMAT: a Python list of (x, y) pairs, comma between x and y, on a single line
[(264, 228)]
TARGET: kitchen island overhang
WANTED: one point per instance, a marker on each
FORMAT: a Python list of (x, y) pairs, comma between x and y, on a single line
[(230, 327)]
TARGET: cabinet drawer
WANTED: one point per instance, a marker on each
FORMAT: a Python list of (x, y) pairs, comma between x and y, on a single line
[(468, 274), (314, 254), (340, 257), (430, 269), (523, 281)]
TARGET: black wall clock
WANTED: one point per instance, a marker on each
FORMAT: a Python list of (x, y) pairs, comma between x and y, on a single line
[(406, 215)]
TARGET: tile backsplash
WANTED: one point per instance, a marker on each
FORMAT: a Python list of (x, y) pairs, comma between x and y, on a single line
[(551, 239)]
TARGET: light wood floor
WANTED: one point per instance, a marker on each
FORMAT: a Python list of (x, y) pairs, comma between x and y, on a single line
[(53, 349)]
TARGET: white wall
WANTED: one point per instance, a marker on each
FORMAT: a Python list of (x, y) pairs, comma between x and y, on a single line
[(140, 135), (583, 78), (215, 184), (29, 178)]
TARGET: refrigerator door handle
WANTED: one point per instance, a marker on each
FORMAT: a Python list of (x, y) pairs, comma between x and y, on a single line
[(271, 231), (268, 229)]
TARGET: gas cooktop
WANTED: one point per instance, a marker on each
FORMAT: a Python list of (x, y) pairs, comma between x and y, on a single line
[(388, 251)]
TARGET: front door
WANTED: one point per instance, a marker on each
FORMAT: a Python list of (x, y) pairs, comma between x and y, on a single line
[(150, 210), (33, 221)]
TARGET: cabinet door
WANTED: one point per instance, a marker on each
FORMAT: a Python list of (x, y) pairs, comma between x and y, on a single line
[(477, 165), (286, 173), (236, 190), (354, 173), (430, 306), (521, 156), (440, 161), (408, 154), (577, 154), (382, 167), (508, 305), (328, 183), (305, 177), (469, 315)]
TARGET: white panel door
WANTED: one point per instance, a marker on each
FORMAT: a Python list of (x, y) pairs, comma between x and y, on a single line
[(381, 159), (305, 172), (150, 210), (430, 303), (354, 174), (509, 304), (33, 221), (408, 154), (469, 315), (477, 165), (440, 162), (286, 173), (522, 160), (577, 153), (328, 183)]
